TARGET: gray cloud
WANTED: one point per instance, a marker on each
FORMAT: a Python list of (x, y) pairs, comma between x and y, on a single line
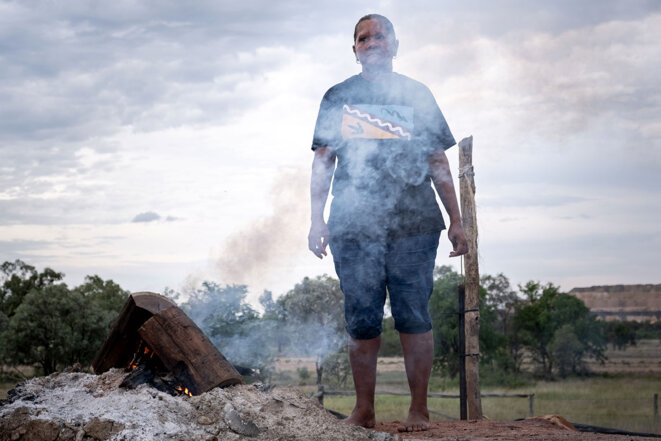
[(148, 216), (571, 110)]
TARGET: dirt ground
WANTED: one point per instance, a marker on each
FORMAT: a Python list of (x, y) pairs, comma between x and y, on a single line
[(540, 428), (78, 406)]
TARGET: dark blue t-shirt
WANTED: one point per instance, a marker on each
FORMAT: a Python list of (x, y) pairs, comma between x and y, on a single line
[(382, 133)]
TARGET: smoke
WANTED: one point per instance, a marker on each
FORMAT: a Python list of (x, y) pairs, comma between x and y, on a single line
[(249, 339), (263, 246)]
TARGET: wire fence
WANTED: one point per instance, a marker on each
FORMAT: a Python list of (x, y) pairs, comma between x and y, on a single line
[(634, 414)]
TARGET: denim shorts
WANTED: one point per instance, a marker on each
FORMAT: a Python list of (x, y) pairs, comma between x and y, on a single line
[(368, 269)]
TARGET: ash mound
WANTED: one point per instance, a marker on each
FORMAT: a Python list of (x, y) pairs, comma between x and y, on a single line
[(85, 407)]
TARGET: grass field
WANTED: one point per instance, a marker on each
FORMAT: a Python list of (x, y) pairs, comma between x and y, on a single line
[(623, 402), (619, 396)]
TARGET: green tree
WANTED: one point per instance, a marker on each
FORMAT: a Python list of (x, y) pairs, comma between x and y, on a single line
[(503, 301), (313, 314), (105, 295), (390, 344), (620, 334), (546, 311), (231, 323), (443, 307), (18, 279), (566, 349), (54, 327)]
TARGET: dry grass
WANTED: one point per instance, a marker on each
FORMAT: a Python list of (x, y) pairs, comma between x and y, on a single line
[(621, 396)]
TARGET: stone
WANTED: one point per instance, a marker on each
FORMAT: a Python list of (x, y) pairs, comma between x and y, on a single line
[(236, 424), (102, 429)]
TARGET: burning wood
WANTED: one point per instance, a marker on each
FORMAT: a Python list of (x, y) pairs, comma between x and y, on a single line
[(163, 346)]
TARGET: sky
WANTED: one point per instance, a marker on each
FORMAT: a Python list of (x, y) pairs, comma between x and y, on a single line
[(163, 143)]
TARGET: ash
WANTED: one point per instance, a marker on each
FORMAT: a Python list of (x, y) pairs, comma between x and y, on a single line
[(85, 407)]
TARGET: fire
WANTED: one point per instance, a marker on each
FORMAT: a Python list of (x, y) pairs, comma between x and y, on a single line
[(184, 390), (138, 356)]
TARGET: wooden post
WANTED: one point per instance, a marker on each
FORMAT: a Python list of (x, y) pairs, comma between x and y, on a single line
[(472, 315), (656, 409), (463, 415), (531, 405)]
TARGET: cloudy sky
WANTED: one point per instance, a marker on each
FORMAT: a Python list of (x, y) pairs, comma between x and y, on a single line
[(161, 143)]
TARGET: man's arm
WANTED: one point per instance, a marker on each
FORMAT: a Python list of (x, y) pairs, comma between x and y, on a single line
[(323, 167), (442, 178)]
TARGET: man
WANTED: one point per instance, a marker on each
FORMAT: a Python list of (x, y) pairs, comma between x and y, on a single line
[(388, 137)]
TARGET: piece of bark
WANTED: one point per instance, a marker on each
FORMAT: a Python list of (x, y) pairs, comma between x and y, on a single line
[(185, 351), (123, 341)]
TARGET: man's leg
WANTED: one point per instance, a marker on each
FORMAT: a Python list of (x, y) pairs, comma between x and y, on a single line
[(362, 356), (418, 359)]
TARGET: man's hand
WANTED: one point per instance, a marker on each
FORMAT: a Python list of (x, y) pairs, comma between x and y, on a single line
[(318, 238), (458, 239)]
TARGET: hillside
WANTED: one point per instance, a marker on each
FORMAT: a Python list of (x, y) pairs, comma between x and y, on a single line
[(623, 302)]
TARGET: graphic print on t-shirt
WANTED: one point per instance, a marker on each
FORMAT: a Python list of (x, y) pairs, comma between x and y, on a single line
[(377, 121)]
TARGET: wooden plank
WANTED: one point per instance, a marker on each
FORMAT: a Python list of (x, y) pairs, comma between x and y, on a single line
[(471, 269), (187, 352)]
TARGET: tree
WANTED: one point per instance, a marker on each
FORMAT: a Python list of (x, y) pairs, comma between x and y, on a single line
[(443, 307), (18, 279), (620, 334), (233, 326), (54, 327), (504, 302), (546, 312), (105, 295), (390, 344), (314, 312)]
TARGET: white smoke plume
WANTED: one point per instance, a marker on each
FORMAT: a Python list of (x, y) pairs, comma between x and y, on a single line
[(247, 256)]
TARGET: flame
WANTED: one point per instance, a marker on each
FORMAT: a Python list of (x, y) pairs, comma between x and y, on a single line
[(137, 356), (184, 390)]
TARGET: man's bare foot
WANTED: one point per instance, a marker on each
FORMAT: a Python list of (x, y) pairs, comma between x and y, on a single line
[(363, 418), (416, 422)]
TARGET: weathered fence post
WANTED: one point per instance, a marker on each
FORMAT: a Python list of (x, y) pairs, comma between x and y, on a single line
[(656, 409), (472, 313), (531, 405)]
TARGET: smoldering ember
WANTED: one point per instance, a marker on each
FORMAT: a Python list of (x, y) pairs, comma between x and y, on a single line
[(158, 377)]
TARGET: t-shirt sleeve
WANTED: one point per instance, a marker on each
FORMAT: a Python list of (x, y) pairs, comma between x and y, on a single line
[(326, 128), (437, 133)]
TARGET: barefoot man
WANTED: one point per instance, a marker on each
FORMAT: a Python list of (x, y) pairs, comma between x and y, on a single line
[(381, 138)]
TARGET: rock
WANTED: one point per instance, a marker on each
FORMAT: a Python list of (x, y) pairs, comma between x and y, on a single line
[(236, 424), (40, 430), (67, 434), (204, 420), (10, 423), (383, 436), (102, 429)]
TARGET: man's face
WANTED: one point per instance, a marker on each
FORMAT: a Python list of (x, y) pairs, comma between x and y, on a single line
[(374, 45)]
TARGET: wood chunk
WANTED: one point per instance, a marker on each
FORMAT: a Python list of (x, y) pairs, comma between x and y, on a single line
[(123, 341), (185, 351)]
